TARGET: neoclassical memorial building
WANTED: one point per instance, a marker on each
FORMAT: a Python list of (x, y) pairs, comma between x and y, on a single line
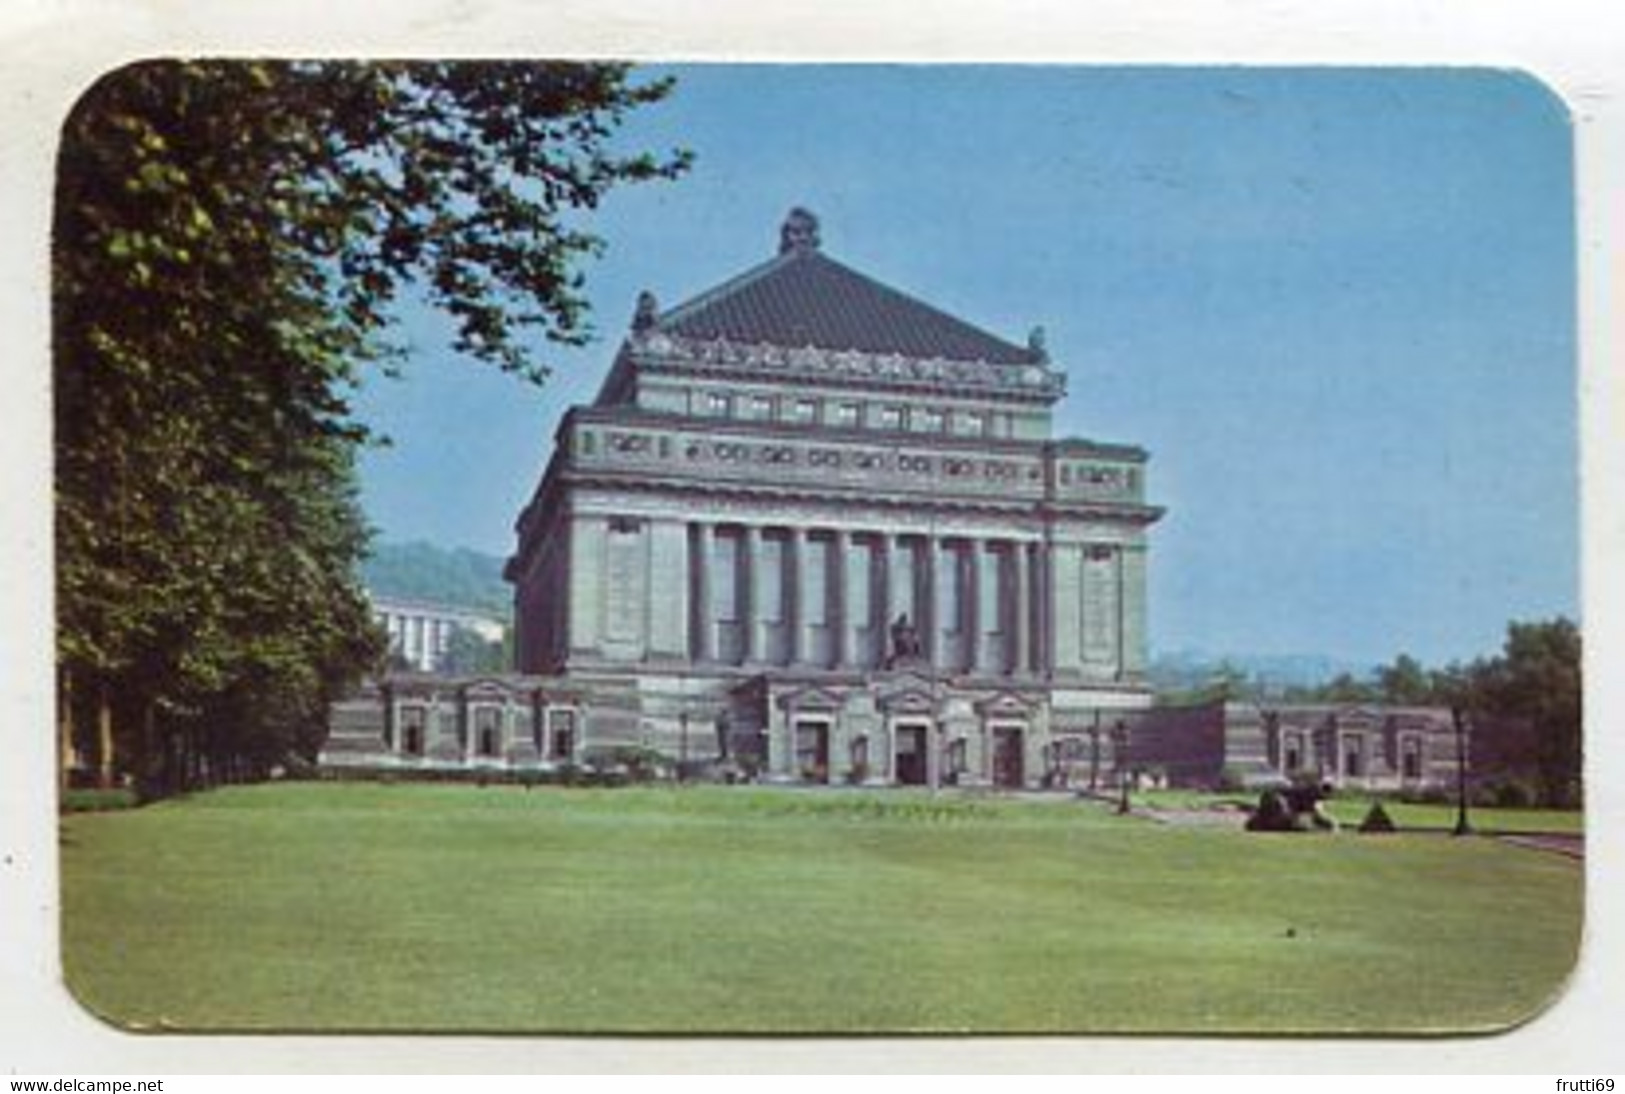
[(817, 527)]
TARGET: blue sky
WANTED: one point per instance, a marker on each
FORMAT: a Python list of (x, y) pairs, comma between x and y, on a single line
[(1336, 305)]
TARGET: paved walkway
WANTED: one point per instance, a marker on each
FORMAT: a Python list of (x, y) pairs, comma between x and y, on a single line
[(1571, 844)]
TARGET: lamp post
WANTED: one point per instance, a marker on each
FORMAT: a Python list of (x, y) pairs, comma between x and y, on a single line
[(682, 746), (1094, 753), (1459, 717), (1120, 755)]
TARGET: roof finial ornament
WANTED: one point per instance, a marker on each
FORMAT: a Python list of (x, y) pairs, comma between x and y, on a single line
[(1037, 345), (799, 232), (647, 313)]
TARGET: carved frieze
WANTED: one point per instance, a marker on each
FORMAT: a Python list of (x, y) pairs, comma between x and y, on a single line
[(661, 349)]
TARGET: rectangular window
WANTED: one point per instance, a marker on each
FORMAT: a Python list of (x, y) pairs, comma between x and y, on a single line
[(770, 582), (891, 417), (725, 577), (805, 411), (950, 587), (931, 420), (623, 591), (761, 408), (989, 573), (859, 578), (816, 578), (973, 423), (847, 415), (718, 405)]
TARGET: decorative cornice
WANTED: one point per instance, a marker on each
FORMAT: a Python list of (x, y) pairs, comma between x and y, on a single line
[(608, 478), (657, 349)]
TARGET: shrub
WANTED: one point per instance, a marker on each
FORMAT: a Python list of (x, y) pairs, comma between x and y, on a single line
[(1230, 780), (1377, 819), (1513, 793)]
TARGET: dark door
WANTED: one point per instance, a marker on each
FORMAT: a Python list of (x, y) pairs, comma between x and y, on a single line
[(812, 751), (910, 765), (1007, 760)]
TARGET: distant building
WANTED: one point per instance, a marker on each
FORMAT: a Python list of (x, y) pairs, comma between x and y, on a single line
[(813, 524), (420, 631)]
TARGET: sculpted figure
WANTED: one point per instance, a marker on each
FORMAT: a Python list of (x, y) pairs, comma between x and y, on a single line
[(905, 640)]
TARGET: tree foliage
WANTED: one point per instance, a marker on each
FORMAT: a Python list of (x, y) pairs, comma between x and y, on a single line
[(1536, 680), (229, 240)]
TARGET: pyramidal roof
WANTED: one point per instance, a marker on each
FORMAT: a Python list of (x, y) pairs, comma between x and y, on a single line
[(804, 298)]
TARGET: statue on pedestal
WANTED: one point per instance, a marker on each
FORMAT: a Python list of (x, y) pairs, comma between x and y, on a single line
[(905, 643)]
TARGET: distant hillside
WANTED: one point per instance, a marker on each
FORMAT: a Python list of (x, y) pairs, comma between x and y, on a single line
[(1178, 670), (456, 576)]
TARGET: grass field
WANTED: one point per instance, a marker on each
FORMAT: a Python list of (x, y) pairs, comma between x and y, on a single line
[(416, 908)]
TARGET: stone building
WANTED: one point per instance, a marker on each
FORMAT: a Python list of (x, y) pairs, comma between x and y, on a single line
[(1361, 746), (814, 526), (420, 631)]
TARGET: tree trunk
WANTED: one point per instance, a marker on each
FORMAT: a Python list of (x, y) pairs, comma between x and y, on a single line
[(148, 761), (65, 735), (105, 759)]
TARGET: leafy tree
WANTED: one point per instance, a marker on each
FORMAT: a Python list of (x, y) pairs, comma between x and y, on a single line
[(1347, 688), (1537, 677), (229, 240), (1405, 682), (468, 653)]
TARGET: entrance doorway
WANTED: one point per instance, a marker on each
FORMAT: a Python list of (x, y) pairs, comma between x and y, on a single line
[(910, 756), (812, 751), (1007, 758)]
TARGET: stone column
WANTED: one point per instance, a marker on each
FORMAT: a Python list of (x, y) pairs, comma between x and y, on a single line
[(1021, 621), (932, 643), (704, 644), (795, 614), (1045, 653), (971, 610), (840, 607), (880, 601), (750, 610)]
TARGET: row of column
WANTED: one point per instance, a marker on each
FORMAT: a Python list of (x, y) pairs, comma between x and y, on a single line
[(904, 575), (419, 638)]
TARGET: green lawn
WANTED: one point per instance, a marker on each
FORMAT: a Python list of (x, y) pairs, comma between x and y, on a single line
[(410, 907)]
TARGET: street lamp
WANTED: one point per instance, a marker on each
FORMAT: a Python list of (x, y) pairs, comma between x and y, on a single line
[(1459, 717), (1120, 755), (682, 746), (1094, 753)]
